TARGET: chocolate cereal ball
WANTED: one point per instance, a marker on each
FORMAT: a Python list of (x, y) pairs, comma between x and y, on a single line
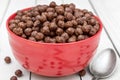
[(39, 36), (59, 31), (65, 35), (78, 31), (12, 26), (13, 78), (45, 30), (72, 39), (68, 16), (59, 10), (60, 17), (32, 38), (29, 23), (18, 31), (61, 24), (22, 25), (18, 73), (28, 31), (7, 59), (53, 26), (52, 4), (60, 39), (70, 31)]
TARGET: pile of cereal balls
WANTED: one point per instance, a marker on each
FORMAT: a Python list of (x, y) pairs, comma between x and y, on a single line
[(54, 23)]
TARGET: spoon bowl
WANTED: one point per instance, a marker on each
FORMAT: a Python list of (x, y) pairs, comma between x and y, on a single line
[(104, 64)]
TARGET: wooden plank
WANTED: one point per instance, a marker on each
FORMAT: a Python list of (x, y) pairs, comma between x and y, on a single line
[(109, 14), (72, 77), (7, 70), (3, 6)]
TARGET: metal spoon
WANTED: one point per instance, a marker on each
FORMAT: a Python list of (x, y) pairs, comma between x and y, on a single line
[(104, 64)]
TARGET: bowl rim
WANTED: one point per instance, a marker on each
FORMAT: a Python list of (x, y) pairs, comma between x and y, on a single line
[(25, 40)]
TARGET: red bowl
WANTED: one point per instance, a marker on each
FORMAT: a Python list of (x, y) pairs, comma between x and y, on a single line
[(53, 59)]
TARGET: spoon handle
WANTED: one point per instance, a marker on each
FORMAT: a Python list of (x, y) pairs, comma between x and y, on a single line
[(95, 78)]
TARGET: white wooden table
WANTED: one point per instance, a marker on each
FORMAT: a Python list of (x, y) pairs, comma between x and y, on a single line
[(107, 10)]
